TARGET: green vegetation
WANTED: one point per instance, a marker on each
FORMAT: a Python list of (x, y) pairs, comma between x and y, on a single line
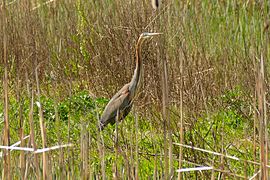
[(82, 52)]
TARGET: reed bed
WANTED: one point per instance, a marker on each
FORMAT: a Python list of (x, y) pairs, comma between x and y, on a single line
[(202, 111)]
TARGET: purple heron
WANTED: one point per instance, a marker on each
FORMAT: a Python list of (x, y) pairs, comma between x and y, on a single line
[(120, 104)]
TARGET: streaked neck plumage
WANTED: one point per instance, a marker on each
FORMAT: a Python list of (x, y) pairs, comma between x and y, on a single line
[(137, 72)]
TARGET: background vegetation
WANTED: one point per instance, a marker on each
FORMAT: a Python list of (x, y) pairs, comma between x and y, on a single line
[(62, 60)]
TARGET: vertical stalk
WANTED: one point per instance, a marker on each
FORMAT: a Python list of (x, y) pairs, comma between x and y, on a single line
[(222, 175), (165, 69), (255, 121), (164, 81), (254, 131), (42, 127), (168, 159), (165, 117), (6, 140), (21, 130), (265, 53), (181, 118), (32, 137), (136, 147), (69, 151), (100, 144), (262, 119), (84, 151)]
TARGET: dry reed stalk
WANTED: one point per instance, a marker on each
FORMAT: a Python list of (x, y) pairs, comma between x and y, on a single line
[(83, 151), (90, 171), (262, 119), (155, 169), (69, 119), (165, 116), (213, 171), (245, 169), (136, 147), (102, 156), (21, 131), (255, 116), (181, 112), (6, 139), (131, 151), (166, 87), (100, 143), (164, 81), (265, 53), (57, 123), (255, 125), (128, 160), (32, 136), (61, 153), (222, 175), (42, 128)]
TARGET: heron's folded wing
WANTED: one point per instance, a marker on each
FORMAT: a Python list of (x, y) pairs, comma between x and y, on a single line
[(118, 102)]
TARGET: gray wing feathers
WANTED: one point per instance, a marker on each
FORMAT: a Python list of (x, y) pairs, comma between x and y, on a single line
[(120, 101)]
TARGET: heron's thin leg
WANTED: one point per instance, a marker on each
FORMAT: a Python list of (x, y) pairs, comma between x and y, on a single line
[(116, 145)]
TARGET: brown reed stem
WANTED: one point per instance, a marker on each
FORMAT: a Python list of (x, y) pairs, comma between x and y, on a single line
[(6, 140), (32, 137), (262, 119), (42, 127), (181, 115)]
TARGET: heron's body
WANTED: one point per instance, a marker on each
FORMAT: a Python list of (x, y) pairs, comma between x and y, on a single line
[(121, 102)]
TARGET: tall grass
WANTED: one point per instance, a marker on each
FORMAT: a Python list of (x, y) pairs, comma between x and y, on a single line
[(198, 88), (6, 135)]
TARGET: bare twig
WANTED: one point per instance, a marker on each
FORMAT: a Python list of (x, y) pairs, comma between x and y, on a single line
[(52, 148), (255, 175), (195, 169), (16, 144), (219, 154), (37, 150)]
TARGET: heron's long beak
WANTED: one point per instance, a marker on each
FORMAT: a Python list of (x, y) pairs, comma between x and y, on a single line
[(153, 34)]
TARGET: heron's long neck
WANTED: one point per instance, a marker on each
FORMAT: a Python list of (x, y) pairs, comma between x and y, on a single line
[(137, 73)]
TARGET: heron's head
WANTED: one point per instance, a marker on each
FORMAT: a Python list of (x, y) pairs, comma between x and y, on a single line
[(147, 35)]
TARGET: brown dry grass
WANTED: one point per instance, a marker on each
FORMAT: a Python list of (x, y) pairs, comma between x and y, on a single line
[(207, 49)]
